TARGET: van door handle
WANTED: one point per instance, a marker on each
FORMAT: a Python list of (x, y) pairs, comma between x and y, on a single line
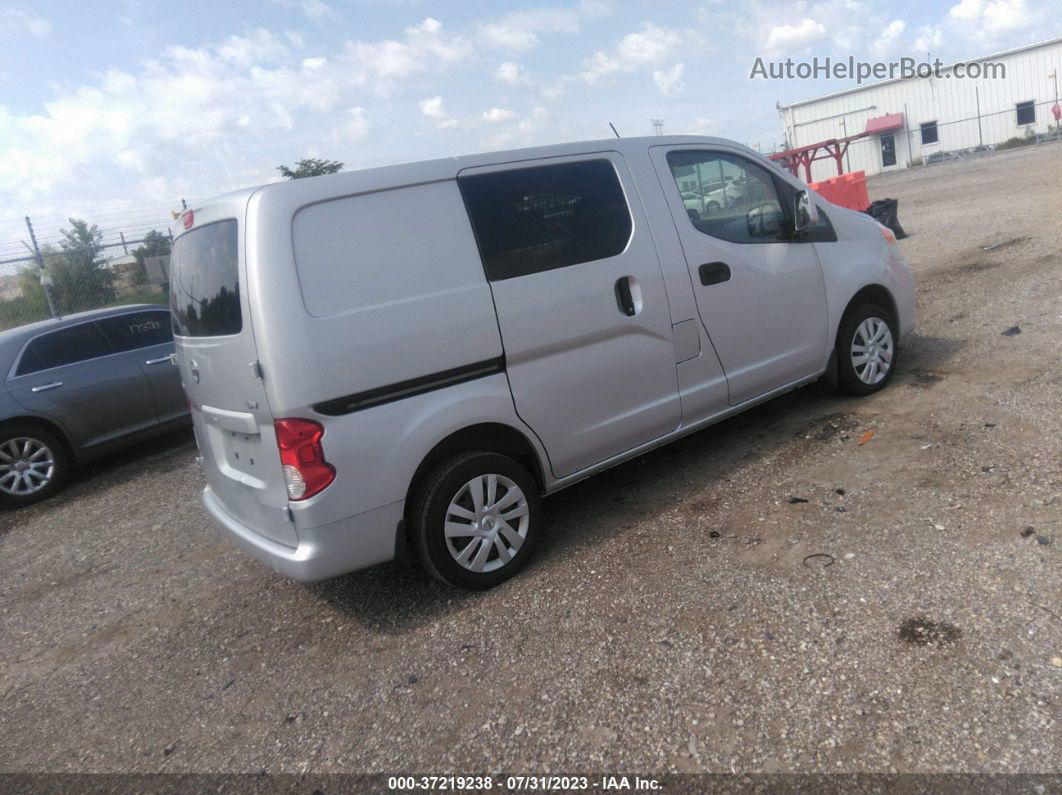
[(172, 359), (714, 273), (624, 296), (46, 387)]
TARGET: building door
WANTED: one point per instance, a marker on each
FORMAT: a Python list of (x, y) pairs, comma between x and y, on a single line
[(888, 151)]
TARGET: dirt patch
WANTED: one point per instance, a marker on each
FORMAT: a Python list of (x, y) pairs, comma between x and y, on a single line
[(923, 632), (924, 379), (975, 267), (831, 426), (1004, 244)]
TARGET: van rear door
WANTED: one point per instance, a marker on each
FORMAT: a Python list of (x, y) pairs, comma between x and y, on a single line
[(219, 367)]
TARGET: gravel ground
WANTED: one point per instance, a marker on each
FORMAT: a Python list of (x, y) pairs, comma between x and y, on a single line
[(671, 619)]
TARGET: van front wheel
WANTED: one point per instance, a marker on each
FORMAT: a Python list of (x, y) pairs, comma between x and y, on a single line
[(866, 350), (475, 520)]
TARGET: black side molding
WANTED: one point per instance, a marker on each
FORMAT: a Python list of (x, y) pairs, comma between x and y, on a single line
[(405, 389)]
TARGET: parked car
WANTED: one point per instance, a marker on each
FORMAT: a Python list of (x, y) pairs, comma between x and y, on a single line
[(79, 387), (401, 360)]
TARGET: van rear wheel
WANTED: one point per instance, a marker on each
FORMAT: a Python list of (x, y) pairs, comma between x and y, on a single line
[(475, 520)]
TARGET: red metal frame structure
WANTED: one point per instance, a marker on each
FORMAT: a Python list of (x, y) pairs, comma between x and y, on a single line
[(836, 148)]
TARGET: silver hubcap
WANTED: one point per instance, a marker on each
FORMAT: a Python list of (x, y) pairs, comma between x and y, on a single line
[(486, 523), (26, 466), (872, 350)]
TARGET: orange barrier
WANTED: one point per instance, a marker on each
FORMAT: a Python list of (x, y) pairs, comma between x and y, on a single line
[(847, 190)]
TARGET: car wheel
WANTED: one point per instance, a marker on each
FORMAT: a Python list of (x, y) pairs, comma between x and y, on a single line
[(475, 520), (33, 464), (712, 207), (866, 349)]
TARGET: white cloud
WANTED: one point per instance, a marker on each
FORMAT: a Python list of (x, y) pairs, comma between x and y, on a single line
[(197, 105), (356, 126), (929, 37), (782, 39), (520, 31), (512, 73), (434, 110), (966, 10), (702, 125), (651, 45), (994, 16), (495, 115), (670, 82), (426, 44), (29, 21), (524, 132), (316, 10), (890, 37)]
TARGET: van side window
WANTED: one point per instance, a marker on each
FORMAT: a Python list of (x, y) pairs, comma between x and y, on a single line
[(65, 346), (728, 197), (529, 220)]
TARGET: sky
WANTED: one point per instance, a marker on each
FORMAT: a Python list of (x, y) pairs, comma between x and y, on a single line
[(115, 110)]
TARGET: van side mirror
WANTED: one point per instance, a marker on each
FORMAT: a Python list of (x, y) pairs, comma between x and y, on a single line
[(804, 213)]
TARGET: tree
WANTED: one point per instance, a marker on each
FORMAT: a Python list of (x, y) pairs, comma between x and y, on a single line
[(154, 244), (80, 276), (310, 167)]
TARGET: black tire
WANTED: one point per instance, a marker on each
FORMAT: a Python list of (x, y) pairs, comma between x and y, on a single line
[(430, 510), (848, 377), (15, 434), (712, 207)]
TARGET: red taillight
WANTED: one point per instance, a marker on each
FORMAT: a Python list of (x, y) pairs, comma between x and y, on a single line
[(305, 470), (188, 218)]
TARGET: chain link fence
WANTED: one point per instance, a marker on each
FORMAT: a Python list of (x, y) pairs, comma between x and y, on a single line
[(77, 271)]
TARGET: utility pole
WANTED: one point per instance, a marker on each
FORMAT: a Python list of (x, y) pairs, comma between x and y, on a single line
[(46, 280), (658, 126), (1058, 118), (844, 134), (977, 97)]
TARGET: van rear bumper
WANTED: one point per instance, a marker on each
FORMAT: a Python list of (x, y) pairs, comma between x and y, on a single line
[(355, 543)]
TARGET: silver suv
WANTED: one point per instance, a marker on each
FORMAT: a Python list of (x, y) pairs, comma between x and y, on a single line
[(79, 387)]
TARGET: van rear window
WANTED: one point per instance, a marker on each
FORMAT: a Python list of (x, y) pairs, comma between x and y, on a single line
[(205, 282)]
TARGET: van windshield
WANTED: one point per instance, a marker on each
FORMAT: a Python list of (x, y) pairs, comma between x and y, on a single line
[(205, 282)]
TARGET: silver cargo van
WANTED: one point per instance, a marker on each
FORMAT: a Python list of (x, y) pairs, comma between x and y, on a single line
[(406, 358)]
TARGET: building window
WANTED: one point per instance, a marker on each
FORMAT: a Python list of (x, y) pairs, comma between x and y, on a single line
[(929, 132), (1026, 112)]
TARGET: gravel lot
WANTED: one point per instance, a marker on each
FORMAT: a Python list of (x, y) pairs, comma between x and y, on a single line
[(671, 618)]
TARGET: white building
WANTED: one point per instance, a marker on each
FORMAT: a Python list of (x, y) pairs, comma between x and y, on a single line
[(910, 119)]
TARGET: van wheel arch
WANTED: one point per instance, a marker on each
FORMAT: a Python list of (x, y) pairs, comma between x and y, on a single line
[(488, 437), (871, 294)]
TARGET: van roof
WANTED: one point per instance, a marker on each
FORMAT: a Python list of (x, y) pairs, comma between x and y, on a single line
[(450, 167)]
